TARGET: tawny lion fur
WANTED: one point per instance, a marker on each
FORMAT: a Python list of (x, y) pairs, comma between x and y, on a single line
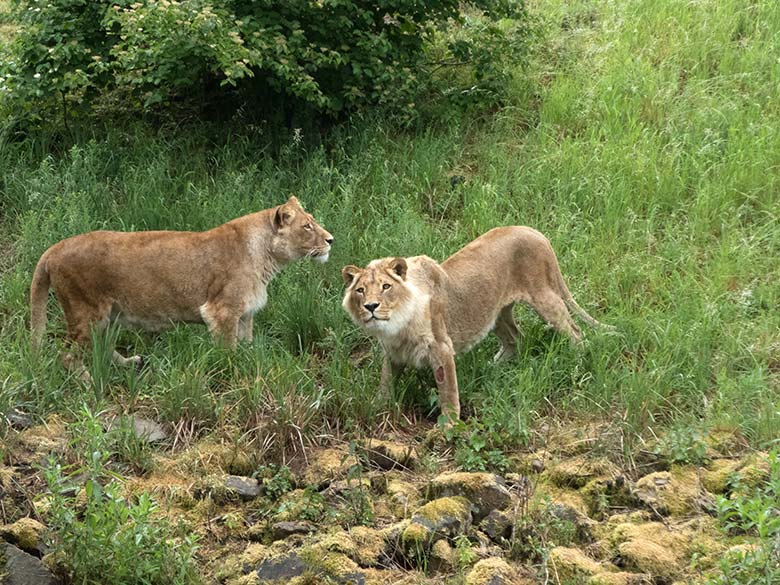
[(424, 313), (151, 279)]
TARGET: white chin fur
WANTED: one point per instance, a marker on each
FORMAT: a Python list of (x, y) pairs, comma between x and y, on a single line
[(323, 258)]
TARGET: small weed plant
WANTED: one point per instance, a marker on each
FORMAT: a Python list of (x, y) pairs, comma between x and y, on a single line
[(683, 444), (753, 513), (112, 539)]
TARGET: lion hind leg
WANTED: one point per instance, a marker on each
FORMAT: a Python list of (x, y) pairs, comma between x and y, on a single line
[(82, 319), (553, 310), (507, 332)]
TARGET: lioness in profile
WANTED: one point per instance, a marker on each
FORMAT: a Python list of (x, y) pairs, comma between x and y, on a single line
[(150, 279), (424, 312)]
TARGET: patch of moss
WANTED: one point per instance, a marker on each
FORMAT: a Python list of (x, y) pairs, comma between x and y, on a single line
[(718, 475), (370, 544), (578, 471), (603, 494), (678, 492), (653, 548), (621, 578), (334, 564), (650, 557), (327, 465), (486, 491), (572, 565), (490, 571), (25, 533), (453, 507)]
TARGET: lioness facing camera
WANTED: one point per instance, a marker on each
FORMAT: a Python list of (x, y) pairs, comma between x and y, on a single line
[(423, 312), (150, 279)]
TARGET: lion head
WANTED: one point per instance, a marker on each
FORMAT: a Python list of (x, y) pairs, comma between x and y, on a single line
[(298, 235), (378, 296)]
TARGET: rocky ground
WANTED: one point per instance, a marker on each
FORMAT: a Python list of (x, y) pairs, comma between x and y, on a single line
[(396, 511)]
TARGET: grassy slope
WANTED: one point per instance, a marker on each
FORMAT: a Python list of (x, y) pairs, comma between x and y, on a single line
[(644, 141)]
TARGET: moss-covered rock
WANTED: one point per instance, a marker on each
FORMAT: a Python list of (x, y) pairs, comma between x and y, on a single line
[(578, 471), (214, 488), (404, 497), (299, 505), (620, 578), (650, 557), (211, 457), (389, 455), (370, 546), (572, 565), (717, 476), (497, 525), (652, 548), (442, 518), (25, 533), (485, 491), (605, 493), (441, 558), (678, 492), (494, 571), (328, 464)]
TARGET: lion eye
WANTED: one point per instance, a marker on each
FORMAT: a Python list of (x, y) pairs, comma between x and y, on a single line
[(307, 227), (385, 286), (360, 290)]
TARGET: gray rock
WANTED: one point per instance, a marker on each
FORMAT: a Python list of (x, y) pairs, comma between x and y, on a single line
[(281, 568), (18, 419), (247, 488), (19, 568), (497, 525), (144, 428), (282, 530)]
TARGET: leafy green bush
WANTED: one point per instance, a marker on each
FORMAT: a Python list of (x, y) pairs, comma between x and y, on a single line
[(479, 445), (334, 55), (683, 444), (114, 540)]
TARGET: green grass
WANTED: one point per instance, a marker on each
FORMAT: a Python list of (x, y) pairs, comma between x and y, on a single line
[(644, 141)]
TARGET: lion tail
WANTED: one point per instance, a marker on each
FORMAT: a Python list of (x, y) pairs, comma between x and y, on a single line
[(39, 295), (574, 308)]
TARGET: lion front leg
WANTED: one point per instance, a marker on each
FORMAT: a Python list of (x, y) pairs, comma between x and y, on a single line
[(390, 371), (245, 327), (446, 377)]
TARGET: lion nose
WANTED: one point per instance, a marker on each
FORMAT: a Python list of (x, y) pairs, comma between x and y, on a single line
[(371, 306), (329, 240)]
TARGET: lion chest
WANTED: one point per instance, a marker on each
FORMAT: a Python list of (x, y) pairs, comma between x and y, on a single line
[(410, 348), (256, 298)]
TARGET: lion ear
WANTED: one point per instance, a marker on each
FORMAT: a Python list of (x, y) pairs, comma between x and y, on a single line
[(293, 200), (350, 273), (283, 216), (398, 265)]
